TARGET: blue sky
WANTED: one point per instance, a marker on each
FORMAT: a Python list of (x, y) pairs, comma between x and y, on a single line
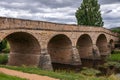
[(59, 11)]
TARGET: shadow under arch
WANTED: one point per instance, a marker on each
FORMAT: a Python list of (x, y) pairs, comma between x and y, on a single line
[(24, 49), (60, 49), (102, 45), (111, 45), (84, 46)]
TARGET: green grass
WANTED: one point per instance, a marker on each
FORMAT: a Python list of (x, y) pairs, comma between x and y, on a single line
[(114, 57), (8, 77), (59, 75), (62, 75)]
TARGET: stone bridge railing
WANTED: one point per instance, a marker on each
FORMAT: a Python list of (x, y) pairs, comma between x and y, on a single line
[(12, 23)]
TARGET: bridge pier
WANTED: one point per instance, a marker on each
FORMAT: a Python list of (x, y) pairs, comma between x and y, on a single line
[(45, 60), (75, 57), (95, 51)]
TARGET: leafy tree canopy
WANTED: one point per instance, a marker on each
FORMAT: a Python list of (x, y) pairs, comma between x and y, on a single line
[(89, 14)]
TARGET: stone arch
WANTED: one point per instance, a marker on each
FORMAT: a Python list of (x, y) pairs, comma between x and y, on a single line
[(111, 42), (24, 49), (102, 45), (60, 49), (84, 46)]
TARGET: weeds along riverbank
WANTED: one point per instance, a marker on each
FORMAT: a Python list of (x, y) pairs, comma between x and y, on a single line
[(108, 70)]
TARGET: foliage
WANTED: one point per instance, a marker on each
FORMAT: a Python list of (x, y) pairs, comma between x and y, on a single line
[(114, 57), (89, 13), (90, 71), (6, 50), (60, 75), (116, 30), (116, 52), (8, 77), (113, 77), (112, 63), (3, 58), (4, 46)]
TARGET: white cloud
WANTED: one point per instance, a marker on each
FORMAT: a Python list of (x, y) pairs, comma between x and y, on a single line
[(13, 13), (61, 11), (111, 15)]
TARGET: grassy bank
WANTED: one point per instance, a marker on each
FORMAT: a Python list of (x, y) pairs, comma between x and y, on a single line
[(114, 57), (62, 75), (8, 77), (86, 74)]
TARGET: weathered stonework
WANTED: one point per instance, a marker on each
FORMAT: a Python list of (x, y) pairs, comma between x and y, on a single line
[(75, 57), (45, 60), (41, 43)]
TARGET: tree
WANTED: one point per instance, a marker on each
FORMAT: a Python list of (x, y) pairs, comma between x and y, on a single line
[(89, 14), (4, 46)]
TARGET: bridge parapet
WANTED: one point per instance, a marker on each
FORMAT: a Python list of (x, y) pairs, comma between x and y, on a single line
[(12, 23)]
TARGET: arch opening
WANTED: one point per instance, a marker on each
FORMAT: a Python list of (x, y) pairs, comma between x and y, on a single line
[(24, 49), (4, 46), (111, 45), (102, 44), (84, 46), (60, 49)]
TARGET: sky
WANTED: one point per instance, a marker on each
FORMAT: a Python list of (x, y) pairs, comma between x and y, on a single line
[(58, 11)]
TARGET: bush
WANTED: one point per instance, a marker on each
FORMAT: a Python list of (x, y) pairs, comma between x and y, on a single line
[(116, 52), (112, 63), (6, 50), (109, 68), (114, 57), (3, 58), (4, 46), (90, 71)]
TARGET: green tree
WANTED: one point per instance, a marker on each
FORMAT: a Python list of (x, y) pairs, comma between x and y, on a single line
[(89, 14), (4, 45)]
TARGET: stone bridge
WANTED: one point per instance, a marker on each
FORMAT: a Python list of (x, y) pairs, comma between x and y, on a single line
[(39, 43)]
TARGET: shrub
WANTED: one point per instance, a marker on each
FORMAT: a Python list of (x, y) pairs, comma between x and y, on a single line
[(6, 50), (116, 52), (112, 63), (114, 57), (109, 68), (113, 77), (90, 71), (3, 58)]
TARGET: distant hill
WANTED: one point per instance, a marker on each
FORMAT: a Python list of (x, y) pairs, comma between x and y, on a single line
[(116, 29)]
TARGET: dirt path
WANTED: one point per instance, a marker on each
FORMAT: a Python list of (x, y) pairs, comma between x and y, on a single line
[(25, 75)]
